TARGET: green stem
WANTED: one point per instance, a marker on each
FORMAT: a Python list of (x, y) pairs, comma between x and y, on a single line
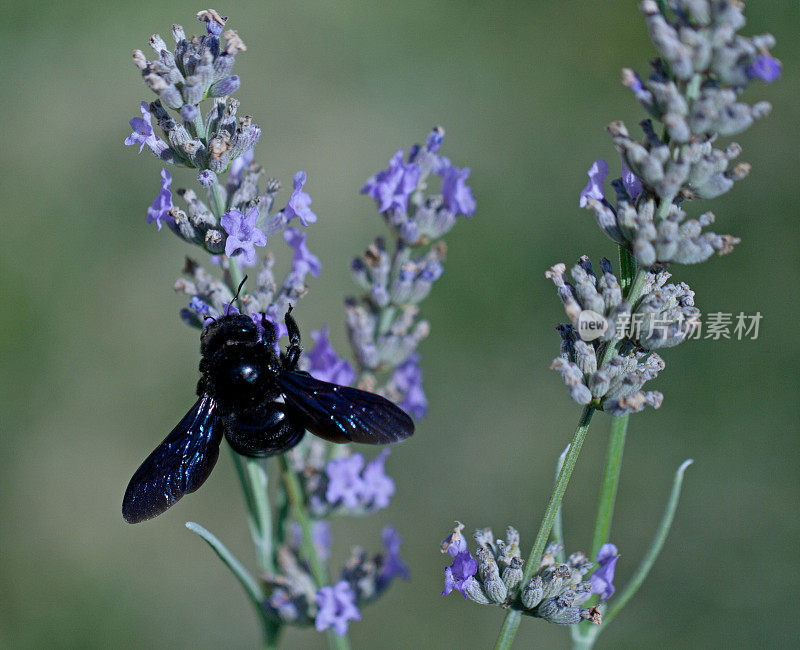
[(627, 270), (297, 501), (509, 630), (250, 585), (558, 523), (253, 479), (608, 489), (320, 574), (219, 201), (511, 623), (200, 128), (257, 476), (558, 492), (635, 286)]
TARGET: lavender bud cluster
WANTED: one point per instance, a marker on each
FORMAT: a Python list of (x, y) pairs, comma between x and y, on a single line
[(554, 592), (198, 67), (694, 90), (694, 87), (382, 323), (294, 598), (232, 218), (664, 316)]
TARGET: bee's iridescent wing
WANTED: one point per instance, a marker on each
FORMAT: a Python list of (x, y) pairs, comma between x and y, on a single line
[(343, 414), (179, 465)]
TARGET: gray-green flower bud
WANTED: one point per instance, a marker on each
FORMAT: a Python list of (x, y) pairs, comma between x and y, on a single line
[(532, 593), (512, 574)]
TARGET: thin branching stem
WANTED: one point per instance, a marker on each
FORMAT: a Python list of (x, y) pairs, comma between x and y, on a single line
[(511, 623), (294, 492)]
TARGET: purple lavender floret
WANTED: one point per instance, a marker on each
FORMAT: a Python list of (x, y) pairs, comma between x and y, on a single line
[(631, 182), (345, 484), (303, 261), (337, 606), (434, 140), (320, 535), (243, 235), (457, 194), (213, 20), (764, 67), (391, 187), (201, 307), (634, 82), (459, 575), (594, 188), (158, 212), (603, 577), (238, 167), (378, 487), (408, 379), (325, 364), (393, 565), (197, 313), (299, 202), (142, 132)]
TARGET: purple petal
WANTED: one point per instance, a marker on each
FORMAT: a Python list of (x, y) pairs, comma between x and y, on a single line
[(594, 188), (457, 195), (603, 577), (764, 67), (632, 183)]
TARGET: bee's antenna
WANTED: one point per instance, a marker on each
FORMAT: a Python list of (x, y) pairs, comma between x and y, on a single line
[(235, 297)]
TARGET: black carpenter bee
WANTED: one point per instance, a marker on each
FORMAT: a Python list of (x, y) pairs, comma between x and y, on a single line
[(242, 380)]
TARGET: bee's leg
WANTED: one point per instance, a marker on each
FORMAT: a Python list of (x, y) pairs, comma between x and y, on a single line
[(294, 349), (268, 338)]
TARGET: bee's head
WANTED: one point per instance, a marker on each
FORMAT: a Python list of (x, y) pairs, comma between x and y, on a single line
[(230, 328), (234, 328)]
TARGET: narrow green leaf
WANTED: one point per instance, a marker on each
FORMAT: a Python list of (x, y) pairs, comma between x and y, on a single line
[(655, 548), (247, 581)]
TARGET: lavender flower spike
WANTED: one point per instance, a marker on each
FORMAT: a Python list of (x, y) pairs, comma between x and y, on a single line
[(603, 577), (336, 606), (242, 234), (299, 202)]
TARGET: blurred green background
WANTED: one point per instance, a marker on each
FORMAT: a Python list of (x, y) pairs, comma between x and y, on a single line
[(96, 367)]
